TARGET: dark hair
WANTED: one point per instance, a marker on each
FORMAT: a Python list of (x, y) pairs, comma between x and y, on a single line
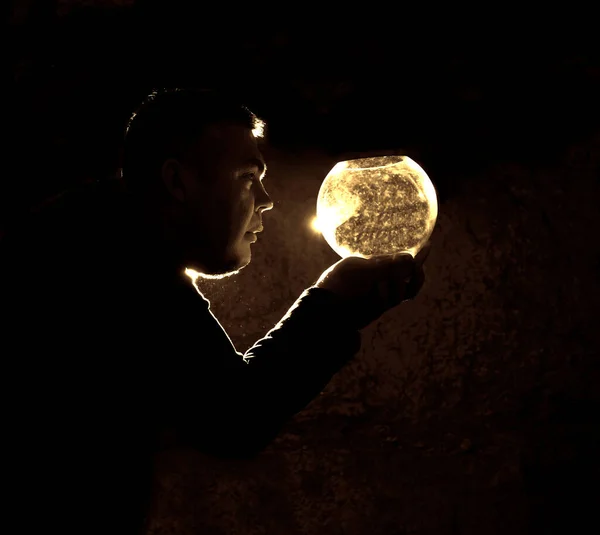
[(167, 122)]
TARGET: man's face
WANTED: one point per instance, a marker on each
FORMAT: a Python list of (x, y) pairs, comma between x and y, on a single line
[(223, 200)]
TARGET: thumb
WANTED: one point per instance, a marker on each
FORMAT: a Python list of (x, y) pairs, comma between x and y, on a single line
[(423, 254)]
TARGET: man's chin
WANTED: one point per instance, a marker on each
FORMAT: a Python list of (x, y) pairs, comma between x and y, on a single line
[(225, 267)]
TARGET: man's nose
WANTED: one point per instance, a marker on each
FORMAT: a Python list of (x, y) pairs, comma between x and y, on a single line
[(264, 202)]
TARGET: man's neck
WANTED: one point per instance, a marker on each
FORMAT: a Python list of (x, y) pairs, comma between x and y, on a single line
[(159, 256)]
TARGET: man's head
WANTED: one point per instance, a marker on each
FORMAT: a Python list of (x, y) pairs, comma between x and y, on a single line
[(193, 161)]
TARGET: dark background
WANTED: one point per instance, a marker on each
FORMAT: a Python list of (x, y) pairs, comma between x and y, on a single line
[(473, 409)]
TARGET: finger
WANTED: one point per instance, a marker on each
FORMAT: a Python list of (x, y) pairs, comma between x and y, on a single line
[(396, 287), (405, 277), (416, 283), (423, 254), (385, 258), (385, 298), (404, 265), (397, 279)]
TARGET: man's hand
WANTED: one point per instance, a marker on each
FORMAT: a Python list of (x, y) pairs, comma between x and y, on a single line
[(373, 286)]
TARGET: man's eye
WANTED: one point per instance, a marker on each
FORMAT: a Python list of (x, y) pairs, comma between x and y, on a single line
[(249, 176)]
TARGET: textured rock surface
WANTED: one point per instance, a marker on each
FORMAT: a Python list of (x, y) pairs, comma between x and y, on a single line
[(470, 410)]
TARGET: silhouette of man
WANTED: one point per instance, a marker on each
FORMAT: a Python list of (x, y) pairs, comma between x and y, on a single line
[(108, 344)]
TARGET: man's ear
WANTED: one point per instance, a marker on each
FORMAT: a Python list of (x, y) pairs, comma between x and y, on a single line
[(171, 176)]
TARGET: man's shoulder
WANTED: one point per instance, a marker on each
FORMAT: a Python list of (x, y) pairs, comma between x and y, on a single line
[(71, 236)]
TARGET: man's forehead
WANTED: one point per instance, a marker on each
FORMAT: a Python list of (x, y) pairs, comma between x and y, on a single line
[(224, 132), (231, 140)]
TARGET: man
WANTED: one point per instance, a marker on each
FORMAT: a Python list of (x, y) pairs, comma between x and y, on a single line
[(108, 345)]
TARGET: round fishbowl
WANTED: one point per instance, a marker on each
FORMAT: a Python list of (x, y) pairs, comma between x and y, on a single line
[(375, 206)]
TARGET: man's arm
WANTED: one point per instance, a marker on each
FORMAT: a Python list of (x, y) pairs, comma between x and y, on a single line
[(246, 399)]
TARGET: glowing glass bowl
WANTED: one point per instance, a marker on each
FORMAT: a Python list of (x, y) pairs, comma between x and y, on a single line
[(374, 206)]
